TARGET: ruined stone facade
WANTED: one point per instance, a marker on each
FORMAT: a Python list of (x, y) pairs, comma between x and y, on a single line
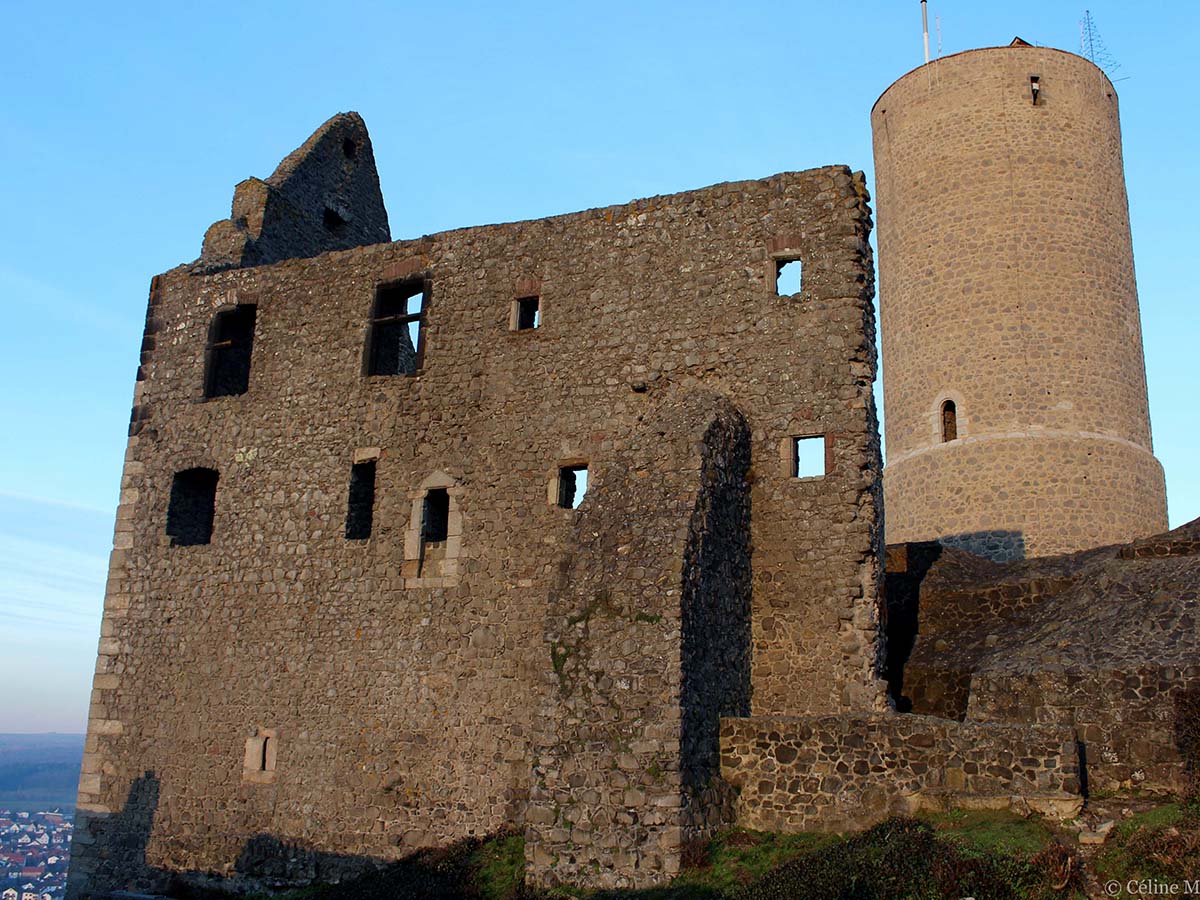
[(1015, 388), (352, 614)]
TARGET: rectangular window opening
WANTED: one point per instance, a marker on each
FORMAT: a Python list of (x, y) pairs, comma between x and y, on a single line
[(360, 510), (528, 314), (435, 520), (788, 277), (192, 507), (397, 336), (230, 344), (572, 485), (808, 457)]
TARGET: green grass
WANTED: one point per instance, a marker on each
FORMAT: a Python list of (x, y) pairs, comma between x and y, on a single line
[(1161, 843), (992, 831), (499, 867)]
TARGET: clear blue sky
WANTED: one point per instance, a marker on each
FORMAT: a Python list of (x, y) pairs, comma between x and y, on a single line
[(125, 127)]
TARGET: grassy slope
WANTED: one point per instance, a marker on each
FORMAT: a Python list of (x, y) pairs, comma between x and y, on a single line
[(986, 855)]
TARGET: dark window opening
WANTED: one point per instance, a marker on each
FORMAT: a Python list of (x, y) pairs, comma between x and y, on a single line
[(1035, 87), (192, 507), (435, 520), (360, 510), (787, 276), (266, 743), (349, 149), (527, 313), (949, 421), (230, 344), (333, 222), (808, 457), (396, 345), (572, 485)]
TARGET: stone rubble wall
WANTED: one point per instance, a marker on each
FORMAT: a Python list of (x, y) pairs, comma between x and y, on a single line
[(1123, 719), (648, 633), (405, 709), (324, 196), (844, 772)]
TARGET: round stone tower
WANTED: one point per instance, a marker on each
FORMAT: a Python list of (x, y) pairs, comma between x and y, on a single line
[(1014, 386)]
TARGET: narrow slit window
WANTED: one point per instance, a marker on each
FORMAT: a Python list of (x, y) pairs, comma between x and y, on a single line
[(949, 422), (572, 485), (230, 344), (360, 510), (396, 343), (808, 457), (261, 756), (435, 520), (788, 276), (192, 507), (528, 313)]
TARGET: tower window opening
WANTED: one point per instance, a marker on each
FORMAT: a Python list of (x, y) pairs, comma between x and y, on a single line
[(949, 422), (808, 457), (572, 485), (435, 519), (527, 314), (230, 345), (396, 342), (788, 278), (1035, 87), (360, 509), (349, 149), (192, 507)]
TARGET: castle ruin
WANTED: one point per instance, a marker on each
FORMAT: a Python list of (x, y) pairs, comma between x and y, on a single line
[(571, 525)]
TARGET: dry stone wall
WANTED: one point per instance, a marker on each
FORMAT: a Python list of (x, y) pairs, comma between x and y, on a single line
[(401, 687), (849, 771)]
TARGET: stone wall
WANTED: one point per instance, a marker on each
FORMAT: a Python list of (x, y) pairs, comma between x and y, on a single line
[(844, 772), (324, 196), (402, 706), (1124, 720), (649, 639), (1007, 289), (1103, 641)]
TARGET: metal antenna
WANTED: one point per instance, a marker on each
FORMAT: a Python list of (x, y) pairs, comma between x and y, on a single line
[(937, 24), (925, 27), (1091, 46)]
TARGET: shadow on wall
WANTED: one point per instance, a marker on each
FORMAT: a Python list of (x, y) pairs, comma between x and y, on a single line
[(903, 592), (998, 546), (118, 859), (715, 605)]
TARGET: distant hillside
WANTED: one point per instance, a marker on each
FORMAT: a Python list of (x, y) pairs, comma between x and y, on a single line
[(39, 768)]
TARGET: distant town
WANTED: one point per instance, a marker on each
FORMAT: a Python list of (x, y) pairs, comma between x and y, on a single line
[(35, 848)]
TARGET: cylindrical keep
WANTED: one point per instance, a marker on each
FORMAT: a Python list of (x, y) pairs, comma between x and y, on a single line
[(1013, 379)]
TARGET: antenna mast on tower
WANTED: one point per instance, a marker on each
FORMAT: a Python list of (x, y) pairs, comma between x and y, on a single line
[(925, 27), (1091, 46)]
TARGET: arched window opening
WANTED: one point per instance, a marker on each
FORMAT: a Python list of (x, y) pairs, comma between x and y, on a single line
[(949, 422), (230, 343)]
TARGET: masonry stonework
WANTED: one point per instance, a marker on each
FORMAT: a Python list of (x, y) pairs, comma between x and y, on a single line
[(1007, 288), (556, 669)]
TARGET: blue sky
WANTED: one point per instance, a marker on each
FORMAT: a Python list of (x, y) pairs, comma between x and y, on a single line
[(126, 126)]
